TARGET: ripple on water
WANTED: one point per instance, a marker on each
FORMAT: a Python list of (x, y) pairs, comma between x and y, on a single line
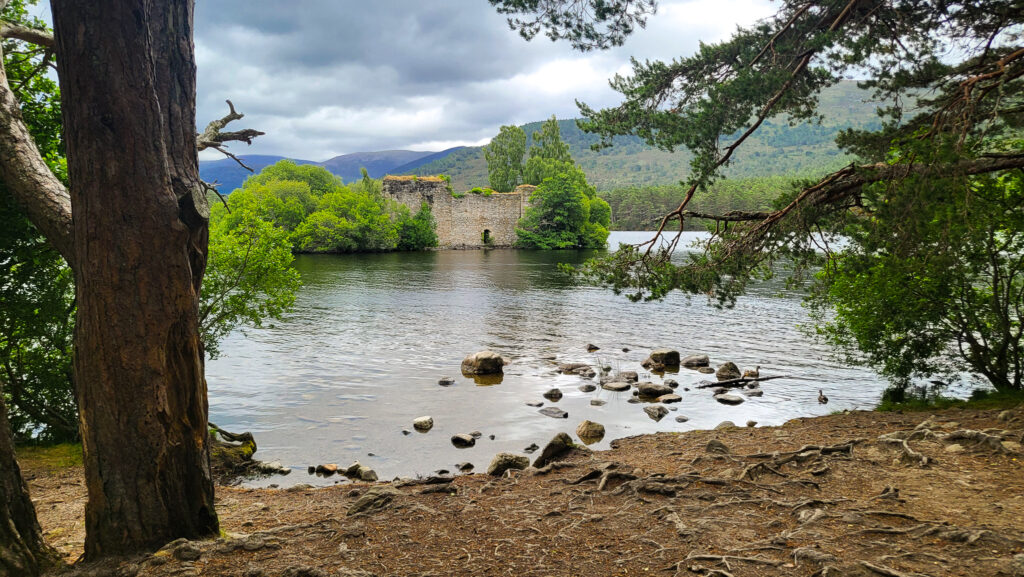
[(360, 357)]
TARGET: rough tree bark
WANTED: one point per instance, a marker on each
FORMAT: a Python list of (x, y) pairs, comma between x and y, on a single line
[(127, 76), (22, 549)]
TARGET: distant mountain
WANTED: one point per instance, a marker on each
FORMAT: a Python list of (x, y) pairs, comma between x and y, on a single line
[(231, 176), (431, 157), (377, 164), (777, 148)]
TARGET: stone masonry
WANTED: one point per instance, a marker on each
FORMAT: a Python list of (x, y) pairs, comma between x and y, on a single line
[(462, 222)]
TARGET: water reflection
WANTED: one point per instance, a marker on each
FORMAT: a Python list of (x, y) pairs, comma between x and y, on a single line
[(371, 335)]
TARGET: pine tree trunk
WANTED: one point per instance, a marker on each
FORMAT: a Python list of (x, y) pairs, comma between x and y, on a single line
[(127, 76), (23, 553)]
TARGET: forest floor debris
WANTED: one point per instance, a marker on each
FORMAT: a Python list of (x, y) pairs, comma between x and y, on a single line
[(854, 495)]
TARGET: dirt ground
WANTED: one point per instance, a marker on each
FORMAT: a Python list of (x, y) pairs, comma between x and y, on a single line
[(858, 494)]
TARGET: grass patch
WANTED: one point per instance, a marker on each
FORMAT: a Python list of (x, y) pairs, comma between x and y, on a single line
[(927, 401), (51, 457)]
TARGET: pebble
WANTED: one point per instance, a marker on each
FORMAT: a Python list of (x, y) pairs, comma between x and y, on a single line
[(598, 402), (554, 413), (751, 423), (656, 412), (423, 423), (553, 395), (588, 388), (535, 403), (446, 381), (682, 418), (463, 441)]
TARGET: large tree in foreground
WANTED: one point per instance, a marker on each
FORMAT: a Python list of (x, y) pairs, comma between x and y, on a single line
[(137, 244)]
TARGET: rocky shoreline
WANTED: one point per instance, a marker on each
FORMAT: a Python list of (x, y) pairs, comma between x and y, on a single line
[(854, 495)]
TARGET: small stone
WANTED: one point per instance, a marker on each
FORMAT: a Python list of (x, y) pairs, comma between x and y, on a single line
[(751, 423), (554, 413), (634, 400), (327, 470), (728, 399), (753, 392), (705, 370), (669, 399), (504, 461), (629, 376), (672, 383), (728, 370), (588, 388), (656, 412), (591, 348), (682, 418), (1004, 416), (375, 499), (725, 425), (557, 447), (491, 437), (311, 470), (476, 434), (695, 361), (464, 467), (598, 403), (446, 381), (666, 357), (569, 368), (423, 424), (617, 386), (463, 441), (553, 394), (590, 431), (653, 390), (954, 448), (533, 447), (406, 432), (716, 446), (187, 551), (366, 474), (1017, 565), (625, 349), (535, 403)]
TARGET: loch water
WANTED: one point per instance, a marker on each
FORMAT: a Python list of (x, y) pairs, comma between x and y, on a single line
[(361, 355)]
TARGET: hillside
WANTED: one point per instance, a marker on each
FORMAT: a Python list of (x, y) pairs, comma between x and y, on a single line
[(777, 148), (230, 175)]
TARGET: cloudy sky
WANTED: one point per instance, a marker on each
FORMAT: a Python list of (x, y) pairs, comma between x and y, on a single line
[(329, 77)]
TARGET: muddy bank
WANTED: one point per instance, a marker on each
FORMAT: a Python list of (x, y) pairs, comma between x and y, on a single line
[(859, 494)]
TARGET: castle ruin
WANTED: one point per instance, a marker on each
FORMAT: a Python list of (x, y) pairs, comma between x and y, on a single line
[(463, 220)]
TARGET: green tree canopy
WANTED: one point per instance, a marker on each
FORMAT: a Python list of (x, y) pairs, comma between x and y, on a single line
[(950, 76), (560, 215), (504, 157)]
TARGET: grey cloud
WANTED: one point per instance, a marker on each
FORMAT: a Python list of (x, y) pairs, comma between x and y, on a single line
[(325, 77)]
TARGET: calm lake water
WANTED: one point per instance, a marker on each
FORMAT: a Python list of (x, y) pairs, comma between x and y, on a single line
[(360, 358)]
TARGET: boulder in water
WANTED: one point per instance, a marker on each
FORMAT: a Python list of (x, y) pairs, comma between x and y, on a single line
[(695, 361), (656, 412), (590, 432), (666, 357), (653, 390), (483, 363), (728, 370)]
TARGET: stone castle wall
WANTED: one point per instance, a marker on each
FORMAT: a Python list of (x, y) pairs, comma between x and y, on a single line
[(461, 222)]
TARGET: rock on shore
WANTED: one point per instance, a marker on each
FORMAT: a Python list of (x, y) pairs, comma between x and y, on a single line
[(483, 363)]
